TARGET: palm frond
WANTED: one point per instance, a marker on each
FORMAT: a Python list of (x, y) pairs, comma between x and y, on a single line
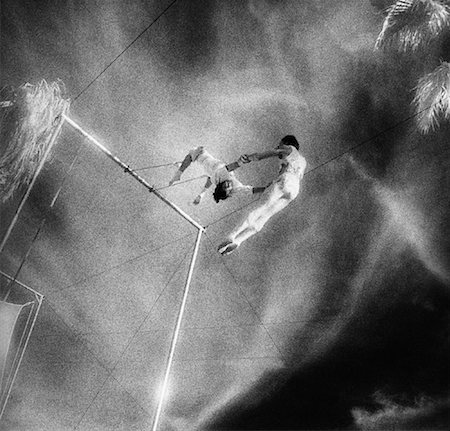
[(432, 98), (27, 123), (411, 24)]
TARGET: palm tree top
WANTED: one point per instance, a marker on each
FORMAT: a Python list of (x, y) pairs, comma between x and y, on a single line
[(410, 24)]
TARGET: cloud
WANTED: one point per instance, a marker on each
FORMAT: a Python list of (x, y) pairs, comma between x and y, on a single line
[(424, 414), (413, 225)]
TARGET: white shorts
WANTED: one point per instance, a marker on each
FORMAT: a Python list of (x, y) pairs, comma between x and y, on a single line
[(210, 164), (214, 168)]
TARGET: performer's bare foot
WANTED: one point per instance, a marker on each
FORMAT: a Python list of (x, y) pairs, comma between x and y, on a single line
[(227, 247)]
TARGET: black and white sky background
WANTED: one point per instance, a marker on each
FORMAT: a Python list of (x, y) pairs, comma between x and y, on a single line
[(341, 318)]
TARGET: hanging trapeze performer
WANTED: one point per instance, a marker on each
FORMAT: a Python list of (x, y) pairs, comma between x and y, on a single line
[(276, 197), (219, 174)]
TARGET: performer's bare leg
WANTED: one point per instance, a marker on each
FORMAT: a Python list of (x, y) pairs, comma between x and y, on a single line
[(190, 157), (276, 201)]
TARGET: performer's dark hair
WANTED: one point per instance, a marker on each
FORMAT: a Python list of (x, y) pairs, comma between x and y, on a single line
[(220, 192), (291, 140)]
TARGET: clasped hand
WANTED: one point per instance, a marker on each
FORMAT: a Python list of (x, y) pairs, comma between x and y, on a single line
[(247, 158)]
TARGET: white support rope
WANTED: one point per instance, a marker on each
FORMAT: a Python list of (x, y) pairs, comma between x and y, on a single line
[(130, 171), (158, 166), (181, 182), (176, 332)]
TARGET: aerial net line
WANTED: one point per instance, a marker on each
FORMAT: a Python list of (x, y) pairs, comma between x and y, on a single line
[(40, 227), (157, 166), (419, 113), (130, 171), (182, 182), (45, 146), (110, 371), (125, 49), (247, 299), (32, 118), (30, 143)]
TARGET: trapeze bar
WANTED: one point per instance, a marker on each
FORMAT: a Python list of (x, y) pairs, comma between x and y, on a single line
[(176, 332), (128, 170)]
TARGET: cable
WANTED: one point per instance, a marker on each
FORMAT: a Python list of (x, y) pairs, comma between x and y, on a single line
[(405, 120), (41, 225), (232, 212), (126, 48), (125, 262), (181, 182), (78, 336), (157, 166), (177, 267), (247, 300), (336, 157)]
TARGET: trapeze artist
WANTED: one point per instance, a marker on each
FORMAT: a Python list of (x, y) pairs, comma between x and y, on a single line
[(221, 175), (276, 197)]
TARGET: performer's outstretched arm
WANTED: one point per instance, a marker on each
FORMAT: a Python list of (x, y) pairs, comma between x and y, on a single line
[(265, 155), (199, 197), (237, 164)]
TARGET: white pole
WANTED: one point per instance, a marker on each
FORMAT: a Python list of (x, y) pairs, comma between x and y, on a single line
[(200, 228), (127, 169), (176, 332)]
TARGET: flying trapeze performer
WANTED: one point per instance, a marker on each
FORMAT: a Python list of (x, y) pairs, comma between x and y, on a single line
[(221, 175), (277, 196)]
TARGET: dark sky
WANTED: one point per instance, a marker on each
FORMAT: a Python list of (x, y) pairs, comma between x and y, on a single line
[(351, 281)]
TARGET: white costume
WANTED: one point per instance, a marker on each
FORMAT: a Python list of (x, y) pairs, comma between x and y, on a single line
[(276, 197), (217, 171)]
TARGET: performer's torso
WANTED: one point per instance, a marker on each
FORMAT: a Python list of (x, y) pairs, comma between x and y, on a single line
[(293, 164)]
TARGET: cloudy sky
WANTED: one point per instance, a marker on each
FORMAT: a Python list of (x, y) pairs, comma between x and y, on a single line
[(335, 316)]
